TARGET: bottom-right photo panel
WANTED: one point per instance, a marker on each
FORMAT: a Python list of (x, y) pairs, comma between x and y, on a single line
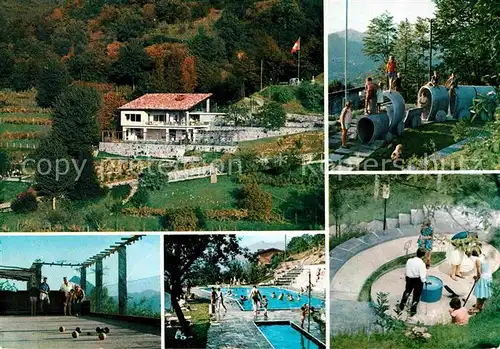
[(252, 290), (414, 261)]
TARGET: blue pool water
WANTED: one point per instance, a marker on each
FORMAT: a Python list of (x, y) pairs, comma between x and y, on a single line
[(286, 337), (274, 303)]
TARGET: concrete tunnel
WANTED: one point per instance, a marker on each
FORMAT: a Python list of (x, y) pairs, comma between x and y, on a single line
[(376, 126)]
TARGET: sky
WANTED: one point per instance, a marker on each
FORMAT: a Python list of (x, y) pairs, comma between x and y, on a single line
[(143, 257), (362, 11)]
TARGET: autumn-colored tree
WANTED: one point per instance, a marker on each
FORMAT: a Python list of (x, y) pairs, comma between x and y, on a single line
[(108, 13), (107, 115), (57, 14), (188, 71), (158, 52), (149, 11), (113, 49), (174, 59)]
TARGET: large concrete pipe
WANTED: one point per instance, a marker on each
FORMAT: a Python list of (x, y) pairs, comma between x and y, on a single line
[(433, 99), (373, 127), (461, 98)]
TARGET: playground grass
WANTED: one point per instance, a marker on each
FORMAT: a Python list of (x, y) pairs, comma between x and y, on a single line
[(26, 115), (420, 142), (308, 142)]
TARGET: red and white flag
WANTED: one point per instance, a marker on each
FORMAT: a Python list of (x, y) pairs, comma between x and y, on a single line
[(296, 47)]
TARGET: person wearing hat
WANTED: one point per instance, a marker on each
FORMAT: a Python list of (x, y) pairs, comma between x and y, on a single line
[(44, 293), (456, 255)]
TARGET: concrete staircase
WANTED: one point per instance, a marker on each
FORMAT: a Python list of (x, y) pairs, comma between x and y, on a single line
[(289, 277)]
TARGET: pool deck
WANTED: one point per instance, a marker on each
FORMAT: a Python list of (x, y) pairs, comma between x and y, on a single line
[(235, 329), (42, 332)]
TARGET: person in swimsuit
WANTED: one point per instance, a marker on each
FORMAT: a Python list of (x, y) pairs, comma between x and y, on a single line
[(256, 298), (345, 122), (391, 70), (371, 93)]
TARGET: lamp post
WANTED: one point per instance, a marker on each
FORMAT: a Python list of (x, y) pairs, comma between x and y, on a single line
[(430, 48), (309, 305), (386, 192)]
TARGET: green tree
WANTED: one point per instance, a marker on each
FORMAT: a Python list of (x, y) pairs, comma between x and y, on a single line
[(7, 63), (87, 186), (379, 38), (181, 252), (272, 116), (141, 198), (75, 119), (54, 79), (237, 115), (55, 173), (257, 201), (5, 163), (154, 177), (131, 65), (297, 245)]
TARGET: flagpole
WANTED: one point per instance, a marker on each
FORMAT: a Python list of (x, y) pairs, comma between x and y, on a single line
[(346, 47), (298, 63)]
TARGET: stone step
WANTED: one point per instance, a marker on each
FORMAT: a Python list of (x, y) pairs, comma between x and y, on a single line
[(404, 219), (417, 216)]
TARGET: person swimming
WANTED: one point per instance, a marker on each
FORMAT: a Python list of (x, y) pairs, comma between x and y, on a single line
[(243, 298), (273, 295), (281, 296), (290, 297)]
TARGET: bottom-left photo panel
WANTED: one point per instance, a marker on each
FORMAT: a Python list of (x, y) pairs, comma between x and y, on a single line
[(80, 291)]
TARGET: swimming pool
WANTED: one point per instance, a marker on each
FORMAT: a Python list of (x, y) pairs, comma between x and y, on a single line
[(274, 303), (287, 335)]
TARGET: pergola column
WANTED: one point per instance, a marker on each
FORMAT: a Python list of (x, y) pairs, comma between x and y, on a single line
[(98, 284), (122, 280), (83, 278), (38, 275)]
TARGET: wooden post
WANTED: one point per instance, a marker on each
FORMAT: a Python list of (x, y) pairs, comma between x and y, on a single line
[(83, 278), (98, 285), (122, 280)]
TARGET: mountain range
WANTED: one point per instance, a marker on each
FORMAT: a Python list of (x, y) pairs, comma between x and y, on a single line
[(359, 65)]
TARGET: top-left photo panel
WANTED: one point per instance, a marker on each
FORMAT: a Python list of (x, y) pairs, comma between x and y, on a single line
[(166, 115)]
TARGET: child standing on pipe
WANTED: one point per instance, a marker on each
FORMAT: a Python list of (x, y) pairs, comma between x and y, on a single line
[(345, 122), (391, 70)]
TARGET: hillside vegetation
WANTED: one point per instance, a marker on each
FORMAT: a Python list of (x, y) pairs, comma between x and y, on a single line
[(156, 46)]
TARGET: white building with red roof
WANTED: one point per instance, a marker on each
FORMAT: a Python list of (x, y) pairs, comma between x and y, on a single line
[(169, 117)]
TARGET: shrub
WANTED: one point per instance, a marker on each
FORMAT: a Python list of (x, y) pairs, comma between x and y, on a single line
[(25, 202), (183, 219), (120, 192), (154, 177), (140, 198), (272, 116), (311, 96), (256, 201), (281, 94)]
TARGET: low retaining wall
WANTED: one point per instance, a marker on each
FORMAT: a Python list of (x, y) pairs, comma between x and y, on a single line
[(159, 150)]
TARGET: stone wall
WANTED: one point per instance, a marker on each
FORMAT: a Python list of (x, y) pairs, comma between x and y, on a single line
[(251, 133), (158, 150)]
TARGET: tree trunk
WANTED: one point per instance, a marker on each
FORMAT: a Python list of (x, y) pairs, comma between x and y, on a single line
[(178, 312), (54, 203)]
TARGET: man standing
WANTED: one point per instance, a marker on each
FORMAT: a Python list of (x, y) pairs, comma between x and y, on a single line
[(256, 299), (67, 288), (33, 293), (44, 293), (370, 91), (416, 276)]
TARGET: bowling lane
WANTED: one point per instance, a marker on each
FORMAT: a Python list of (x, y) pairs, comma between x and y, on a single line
[(42, 332)]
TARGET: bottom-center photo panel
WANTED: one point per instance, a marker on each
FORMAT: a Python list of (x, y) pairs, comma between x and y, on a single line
[(245, 291)]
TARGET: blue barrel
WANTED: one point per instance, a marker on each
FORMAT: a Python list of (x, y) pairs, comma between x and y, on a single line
[(433, 290), (433, 99), (461, 98)]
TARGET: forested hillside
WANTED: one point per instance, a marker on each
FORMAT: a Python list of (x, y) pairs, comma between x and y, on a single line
[(158, 45)]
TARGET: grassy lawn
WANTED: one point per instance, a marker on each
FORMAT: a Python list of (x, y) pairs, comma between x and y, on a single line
[(365, 294), (200, 325), (23, 128), (311, 142), (422, 141), (9, 190), (361, 206)]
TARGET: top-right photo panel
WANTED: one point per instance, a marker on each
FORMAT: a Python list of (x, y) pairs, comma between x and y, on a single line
[(413, 85)]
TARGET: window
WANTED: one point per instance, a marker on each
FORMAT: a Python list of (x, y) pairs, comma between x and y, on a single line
[(133, 117), (159, 118)]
